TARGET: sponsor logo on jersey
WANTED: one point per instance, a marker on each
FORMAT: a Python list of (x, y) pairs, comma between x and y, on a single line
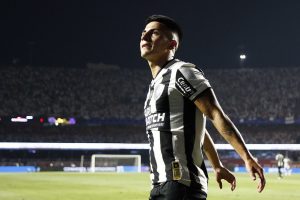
[(155, 120), (183, 85)]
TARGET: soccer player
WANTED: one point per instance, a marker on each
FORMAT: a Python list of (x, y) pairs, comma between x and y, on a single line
[(178, 101), (287, 166), (279, 158)]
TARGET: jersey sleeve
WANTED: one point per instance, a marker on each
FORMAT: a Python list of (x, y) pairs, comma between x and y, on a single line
[(190, 82)]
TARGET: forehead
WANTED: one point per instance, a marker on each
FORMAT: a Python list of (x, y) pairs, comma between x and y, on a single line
[(155, 25)]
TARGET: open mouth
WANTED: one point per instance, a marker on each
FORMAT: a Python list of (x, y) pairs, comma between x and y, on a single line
[(146, 45)]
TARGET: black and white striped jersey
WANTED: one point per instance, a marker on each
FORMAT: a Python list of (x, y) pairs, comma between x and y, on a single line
[(174, 125)]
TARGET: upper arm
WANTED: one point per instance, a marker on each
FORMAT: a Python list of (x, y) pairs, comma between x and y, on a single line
[(190, 82), (208, 104)]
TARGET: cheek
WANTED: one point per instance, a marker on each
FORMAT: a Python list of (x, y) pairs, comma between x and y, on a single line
[(161, 43)]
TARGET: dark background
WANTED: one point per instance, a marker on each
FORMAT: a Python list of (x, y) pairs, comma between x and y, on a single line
[(74, 33)]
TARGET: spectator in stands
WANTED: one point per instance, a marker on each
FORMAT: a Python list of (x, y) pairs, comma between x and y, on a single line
[(83, 92)]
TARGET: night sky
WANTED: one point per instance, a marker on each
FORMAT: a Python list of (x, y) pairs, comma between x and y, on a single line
[(73, 33)]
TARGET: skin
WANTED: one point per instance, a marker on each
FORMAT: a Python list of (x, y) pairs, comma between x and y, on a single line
[(158, 45), (207, 103), (220, 171)]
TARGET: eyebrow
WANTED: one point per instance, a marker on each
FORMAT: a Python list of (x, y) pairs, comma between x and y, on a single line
[(163, 30), (153, 29)]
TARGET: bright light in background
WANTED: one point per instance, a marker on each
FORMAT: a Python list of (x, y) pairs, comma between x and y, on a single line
[(242, 56), (18, 119)]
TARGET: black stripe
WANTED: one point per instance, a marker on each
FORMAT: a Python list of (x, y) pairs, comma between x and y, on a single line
[(150, 92), (167, 63), (200, 94), (163, 105), (167, 152), (203, 167), (183, 85), (189, 137), (152, 157)]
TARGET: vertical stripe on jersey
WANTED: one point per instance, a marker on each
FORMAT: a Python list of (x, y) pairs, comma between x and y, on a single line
[(176, 124), (160, 170), (167, 152), (178, 137), (153, 164), (162, 104), (189, 136)]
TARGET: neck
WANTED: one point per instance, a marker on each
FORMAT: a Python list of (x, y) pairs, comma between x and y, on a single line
[(155, 66)]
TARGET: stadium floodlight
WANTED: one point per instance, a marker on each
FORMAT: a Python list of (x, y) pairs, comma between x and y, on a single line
[(115, 163), (243, 56)]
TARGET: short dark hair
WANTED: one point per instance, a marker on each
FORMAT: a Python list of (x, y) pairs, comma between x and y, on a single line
[(168, 22)]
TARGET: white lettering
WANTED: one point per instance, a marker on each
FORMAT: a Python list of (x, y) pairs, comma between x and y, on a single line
[(182, 83), (180, 79), (155, 120), (161, 117)]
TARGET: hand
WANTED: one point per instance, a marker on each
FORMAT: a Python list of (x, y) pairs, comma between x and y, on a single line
[(254, 168), (224, 173)]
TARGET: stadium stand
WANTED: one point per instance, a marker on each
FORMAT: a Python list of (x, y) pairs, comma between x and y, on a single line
[(247, 94), (265, 103)]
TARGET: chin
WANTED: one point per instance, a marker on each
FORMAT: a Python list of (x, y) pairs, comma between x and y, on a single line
[(144, 55)]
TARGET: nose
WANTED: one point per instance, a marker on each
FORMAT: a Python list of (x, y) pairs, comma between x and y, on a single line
[(146, 36)]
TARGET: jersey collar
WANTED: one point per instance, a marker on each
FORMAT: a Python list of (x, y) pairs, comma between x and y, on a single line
[(166, 65)]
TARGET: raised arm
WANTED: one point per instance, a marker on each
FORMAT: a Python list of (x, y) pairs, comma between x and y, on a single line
[(220, 171), (208, 104)]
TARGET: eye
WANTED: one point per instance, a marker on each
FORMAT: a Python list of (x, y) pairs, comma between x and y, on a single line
[(155, 32)]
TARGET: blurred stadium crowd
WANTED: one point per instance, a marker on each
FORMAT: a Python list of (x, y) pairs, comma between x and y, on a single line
[(264, 103), (267, 93), (249, 97)]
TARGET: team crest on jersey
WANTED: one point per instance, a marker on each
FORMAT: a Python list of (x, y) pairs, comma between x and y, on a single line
[(158, 91)]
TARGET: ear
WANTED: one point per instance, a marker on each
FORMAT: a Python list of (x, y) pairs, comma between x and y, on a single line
[(173, 44)]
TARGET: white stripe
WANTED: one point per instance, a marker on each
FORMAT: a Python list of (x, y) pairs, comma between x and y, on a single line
[(176, 126)]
